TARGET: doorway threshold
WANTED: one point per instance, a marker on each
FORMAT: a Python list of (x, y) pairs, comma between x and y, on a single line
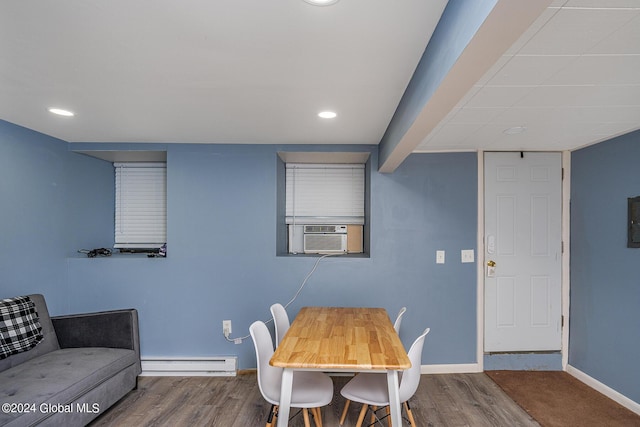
[(523, 361)]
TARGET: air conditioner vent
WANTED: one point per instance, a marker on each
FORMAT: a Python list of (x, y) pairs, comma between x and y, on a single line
[(325, 229), (325, 243)]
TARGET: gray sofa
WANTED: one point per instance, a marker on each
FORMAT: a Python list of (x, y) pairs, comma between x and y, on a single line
[(82, 365)]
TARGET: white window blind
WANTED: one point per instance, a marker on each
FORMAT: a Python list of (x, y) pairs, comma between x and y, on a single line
[(141, 205), (324, 193)]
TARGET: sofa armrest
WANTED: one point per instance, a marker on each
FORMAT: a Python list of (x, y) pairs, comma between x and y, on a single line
[(114, 329)]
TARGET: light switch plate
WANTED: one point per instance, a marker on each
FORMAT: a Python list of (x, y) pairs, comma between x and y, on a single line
[(439, 257), (467, 255)]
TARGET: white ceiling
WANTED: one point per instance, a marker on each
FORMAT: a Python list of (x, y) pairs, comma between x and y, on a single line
[(256, 71), (571, 80), (215, 71)]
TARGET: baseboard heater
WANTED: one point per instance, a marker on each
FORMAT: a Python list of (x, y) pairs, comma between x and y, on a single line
[(223, 366)]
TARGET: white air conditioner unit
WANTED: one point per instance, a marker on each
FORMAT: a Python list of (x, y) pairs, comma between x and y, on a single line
[(325, 239)]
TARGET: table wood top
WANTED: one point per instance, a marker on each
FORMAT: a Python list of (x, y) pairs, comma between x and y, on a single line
[(341, 338)]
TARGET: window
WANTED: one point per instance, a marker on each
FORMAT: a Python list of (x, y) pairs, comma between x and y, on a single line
[(325, 207), (325, 193), (141, 205)]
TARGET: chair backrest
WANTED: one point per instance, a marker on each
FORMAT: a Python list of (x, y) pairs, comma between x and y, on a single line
[(280, 320), (411, 377), (269, 377), (398, 321)]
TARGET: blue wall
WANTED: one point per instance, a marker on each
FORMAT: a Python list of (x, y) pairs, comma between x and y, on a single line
[(222, 261), (605, 274), (52, 201)]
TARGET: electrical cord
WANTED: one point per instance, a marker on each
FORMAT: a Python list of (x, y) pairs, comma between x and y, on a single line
[(304, 282), (95, 252)]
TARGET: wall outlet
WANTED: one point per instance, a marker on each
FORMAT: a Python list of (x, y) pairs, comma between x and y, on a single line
[(439, 257), (226, 328)]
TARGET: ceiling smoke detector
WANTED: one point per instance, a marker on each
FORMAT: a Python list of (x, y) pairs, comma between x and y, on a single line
[(515, 130)]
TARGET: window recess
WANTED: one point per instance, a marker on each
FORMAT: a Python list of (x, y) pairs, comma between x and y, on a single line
[(325, 207)]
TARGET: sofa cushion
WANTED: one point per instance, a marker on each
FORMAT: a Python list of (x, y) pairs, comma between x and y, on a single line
[(49, 342), (20, 328), (59, 378)]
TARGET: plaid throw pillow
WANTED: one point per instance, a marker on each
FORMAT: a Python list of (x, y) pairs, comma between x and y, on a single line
[(20, 328)]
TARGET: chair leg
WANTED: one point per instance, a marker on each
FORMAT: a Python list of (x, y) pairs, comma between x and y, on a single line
[(409, 414), (373, 414), (305, 414), (389, 416), (363, 412), (317, 417), (344, 411), (273, 414)]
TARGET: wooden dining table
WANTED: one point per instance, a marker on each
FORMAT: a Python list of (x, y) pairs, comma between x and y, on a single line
[(341, 339)]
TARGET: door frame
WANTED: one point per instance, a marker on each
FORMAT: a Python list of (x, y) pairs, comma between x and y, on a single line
[(565, 274)]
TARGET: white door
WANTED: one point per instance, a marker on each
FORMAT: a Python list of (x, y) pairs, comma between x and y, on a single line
[(523, 241)]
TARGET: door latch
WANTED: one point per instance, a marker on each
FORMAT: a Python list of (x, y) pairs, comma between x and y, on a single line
[(491, 268)]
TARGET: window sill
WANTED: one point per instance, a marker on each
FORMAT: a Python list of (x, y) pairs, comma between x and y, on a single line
[(303, 255), (117, 255)]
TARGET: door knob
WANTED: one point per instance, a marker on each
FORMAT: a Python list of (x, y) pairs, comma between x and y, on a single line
[(491, 268)]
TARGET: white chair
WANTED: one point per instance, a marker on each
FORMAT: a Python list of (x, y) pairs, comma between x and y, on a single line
[(396, 326), (311, 390), (398, 321), (371, 389), (280, 320)]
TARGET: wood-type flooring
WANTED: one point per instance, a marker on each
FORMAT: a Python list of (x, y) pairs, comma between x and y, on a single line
[(441, 400)]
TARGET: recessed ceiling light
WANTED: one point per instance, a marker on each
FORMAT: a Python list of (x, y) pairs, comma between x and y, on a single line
[(61, 112), (327, 114), (321, 2)]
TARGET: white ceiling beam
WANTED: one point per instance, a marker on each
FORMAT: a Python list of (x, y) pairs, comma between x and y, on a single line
[(506, 22)]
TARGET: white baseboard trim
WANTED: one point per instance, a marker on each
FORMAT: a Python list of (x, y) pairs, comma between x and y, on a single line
[(461, 368), (190, 366), (604, 389)]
